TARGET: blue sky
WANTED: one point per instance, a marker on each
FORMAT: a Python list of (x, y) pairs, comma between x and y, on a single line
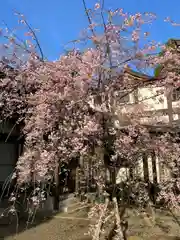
[(60, 21)]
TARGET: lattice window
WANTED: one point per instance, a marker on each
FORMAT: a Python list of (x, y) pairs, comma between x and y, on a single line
[(176, 94)]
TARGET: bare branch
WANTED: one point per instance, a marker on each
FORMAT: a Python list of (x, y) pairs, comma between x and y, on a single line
[(89, 18), (35, 38)]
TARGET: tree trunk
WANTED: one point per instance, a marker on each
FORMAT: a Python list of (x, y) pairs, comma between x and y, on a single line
[(56, 188), (120, 229)]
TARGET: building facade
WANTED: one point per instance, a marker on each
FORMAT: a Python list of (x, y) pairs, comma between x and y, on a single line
[(159, 110)]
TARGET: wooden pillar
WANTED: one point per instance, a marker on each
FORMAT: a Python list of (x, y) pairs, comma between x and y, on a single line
[(131, 173), (154, 187), (145, 168), (77, 181), (169, 106), (113, 175), (89, 174), (154, 168)]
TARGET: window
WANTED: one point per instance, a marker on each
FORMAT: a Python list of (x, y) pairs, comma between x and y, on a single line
[(122, 97), (176, 94)]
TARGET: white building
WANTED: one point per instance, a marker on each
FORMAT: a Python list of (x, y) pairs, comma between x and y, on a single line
[(153, 106)]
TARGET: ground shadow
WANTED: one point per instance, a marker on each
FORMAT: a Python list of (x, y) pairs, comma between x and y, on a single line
[(11, 224)]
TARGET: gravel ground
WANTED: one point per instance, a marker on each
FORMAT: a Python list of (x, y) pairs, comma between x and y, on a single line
[(74, 226), (55, 229)]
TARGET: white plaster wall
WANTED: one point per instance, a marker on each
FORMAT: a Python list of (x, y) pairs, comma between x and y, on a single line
[(155, 120), (153, 98), (149, 99), (122, 175), (176, 104)]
